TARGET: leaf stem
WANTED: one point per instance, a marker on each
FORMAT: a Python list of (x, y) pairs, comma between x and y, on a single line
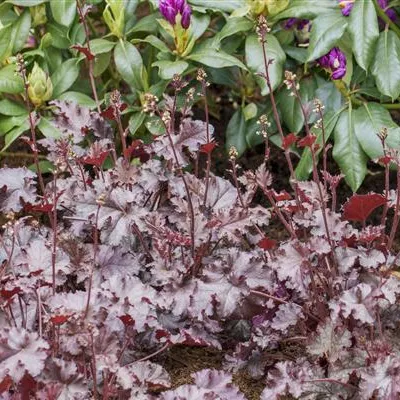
[(391, 106), (381, 13)]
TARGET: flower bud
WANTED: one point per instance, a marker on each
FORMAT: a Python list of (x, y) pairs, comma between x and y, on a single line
[(114, 17), (335, 61), (40, 87), (186, 14), (38, 14), (171, 9), (267, 7)]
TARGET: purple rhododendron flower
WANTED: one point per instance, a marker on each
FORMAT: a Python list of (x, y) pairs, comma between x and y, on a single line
[(171, 8), (290, 23), (390, 13), (186, 13), (298, 23), (346, 6), (336, 61)]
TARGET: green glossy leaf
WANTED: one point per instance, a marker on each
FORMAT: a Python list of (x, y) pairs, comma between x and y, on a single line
[(155, 42), (305, 165), (233, 26), (255, 61), (7, 123), (136, 121), (236, 132), (9, 81), (253, 137), (145, 24), (21, 31), (59, 35), (326, 30), (100, 46), (78, 97), (65, 76), (45, 167), (250, 111), (364, 32), (297, 53), (63, 11), (76, 34), (348, 152), (329, 95), (198, 25), (8, 107), (129, 64), (26, 3), (222, 5), (215, 58), (386, 64), (306, 9), (5, 41), (290, 108), (14, 134), (154, 125), (345, 45), (167, 69), (368, 121), (101, 64), (48, 129)]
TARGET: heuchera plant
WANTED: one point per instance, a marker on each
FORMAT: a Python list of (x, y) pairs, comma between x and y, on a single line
[(345, 52), (127, 249)]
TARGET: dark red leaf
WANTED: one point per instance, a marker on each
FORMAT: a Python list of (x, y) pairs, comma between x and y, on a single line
[(59, 319), (127, 320), (5, 384), (307, 141), (160, 334), (267, 244), (96, 161), (7, 294), (137, 150), (26, 386), (360, 206), (208, 147), (40, 207), (109, 113), (281, 196), (385, 160), (83, 50), (289, 140)]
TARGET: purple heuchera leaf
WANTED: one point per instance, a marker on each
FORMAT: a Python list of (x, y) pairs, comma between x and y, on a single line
[(21, 351), (171, 8), (209, 384), (335, 61), (16, 184)]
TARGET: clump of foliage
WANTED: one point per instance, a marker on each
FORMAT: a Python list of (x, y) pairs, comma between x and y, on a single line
[(344, 52), (132, 245)]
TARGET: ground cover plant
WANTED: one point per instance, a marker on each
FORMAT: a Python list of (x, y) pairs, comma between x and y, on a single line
[(122, 242)]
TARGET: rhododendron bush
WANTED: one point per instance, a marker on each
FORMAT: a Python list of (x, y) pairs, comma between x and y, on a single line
[(124, 241)]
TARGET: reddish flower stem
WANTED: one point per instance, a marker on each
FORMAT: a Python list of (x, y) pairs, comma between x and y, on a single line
[(95, 250), (82, 17)]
